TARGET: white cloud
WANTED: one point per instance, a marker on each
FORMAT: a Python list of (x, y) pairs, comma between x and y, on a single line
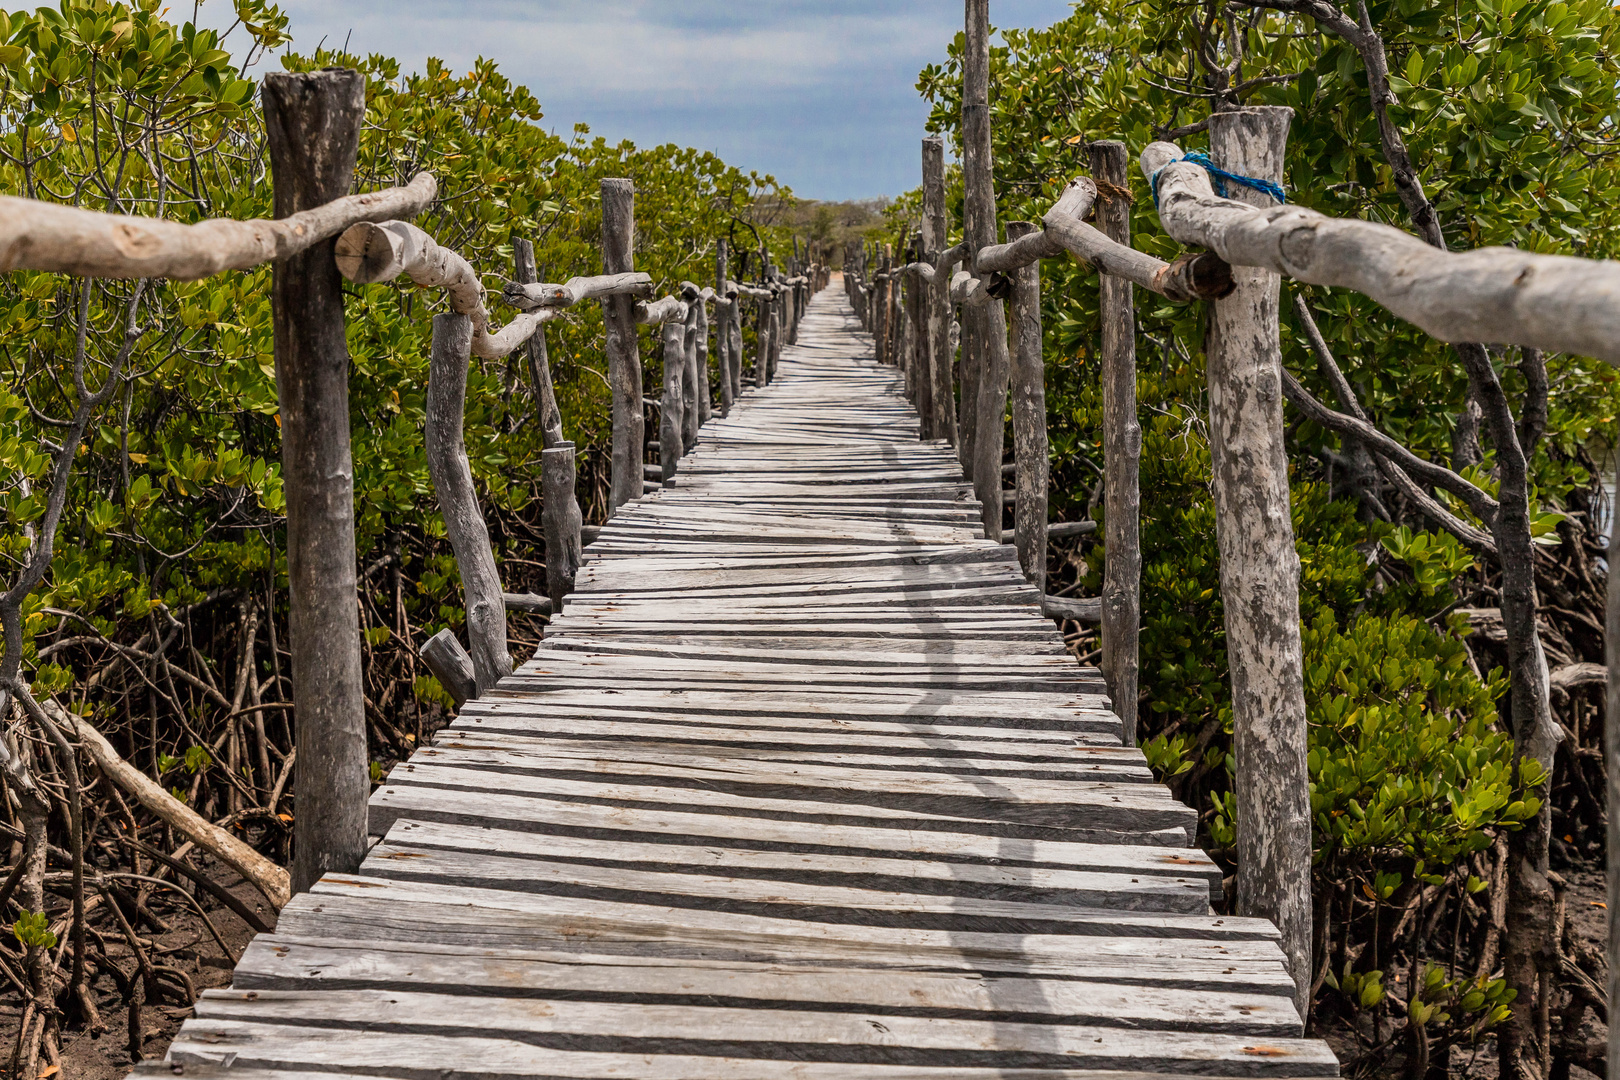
[(819, 94)]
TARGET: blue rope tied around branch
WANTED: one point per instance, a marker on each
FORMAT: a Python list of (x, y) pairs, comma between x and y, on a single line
[(1219, 176)]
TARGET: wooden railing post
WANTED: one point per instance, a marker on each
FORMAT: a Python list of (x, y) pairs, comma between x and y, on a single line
[(693, 386), (559, 521), (705, 401), (880, 308), (1259, 566), (671, 410), (734, 349), (524, 272), (990, 319), (1030, 451), (775, 351), (623, 354), (935, 238), (722, 327), (1122, 446), (312, 126), (458, 500)]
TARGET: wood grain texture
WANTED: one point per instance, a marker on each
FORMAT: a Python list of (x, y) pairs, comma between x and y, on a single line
[(1259, 567), (799, 783), (1122, 450), (312, 128), (464, 526)]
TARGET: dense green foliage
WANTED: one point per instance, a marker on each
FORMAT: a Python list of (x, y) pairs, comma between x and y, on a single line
[(1509, 108), (176, 493)]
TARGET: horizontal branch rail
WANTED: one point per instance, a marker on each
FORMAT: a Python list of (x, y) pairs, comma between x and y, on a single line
[(1553, 302), (63, 239), (527, 297), (370, 252)]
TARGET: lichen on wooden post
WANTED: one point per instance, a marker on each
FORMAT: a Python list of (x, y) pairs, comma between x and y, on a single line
[(623, 355), (1259, 566), (1122, 447), (458, 500), (312, 129)]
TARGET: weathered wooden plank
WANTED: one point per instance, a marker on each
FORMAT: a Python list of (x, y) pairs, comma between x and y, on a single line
[(277, 962), (780, 1034)]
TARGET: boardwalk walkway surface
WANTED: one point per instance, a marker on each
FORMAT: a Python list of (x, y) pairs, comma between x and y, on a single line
[(800, 784)]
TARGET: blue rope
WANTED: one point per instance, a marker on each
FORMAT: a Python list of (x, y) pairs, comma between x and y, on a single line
[(1219, 176)]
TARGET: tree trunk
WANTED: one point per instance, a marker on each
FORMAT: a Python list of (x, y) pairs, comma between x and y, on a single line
[(1260, 569), (1122, 451), (312, 126), (623, 352)]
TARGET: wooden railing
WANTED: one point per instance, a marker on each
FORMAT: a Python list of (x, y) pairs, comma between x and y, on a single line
[(923, 313), (322, 236)]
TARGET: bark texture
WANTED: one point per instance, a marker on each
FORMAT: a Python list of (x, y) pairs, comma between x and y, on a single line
[(1122, 450), (1555, 303), (66, 240), (1030, 450), (623, 356), (545, 397), (560, 521), (458, 500), (312, 127), (1260, 569)]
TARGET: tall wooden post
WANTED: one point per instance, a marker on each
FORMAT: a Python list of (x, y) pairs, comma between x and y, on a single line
[(1259, 567), (524, 272), (990, 320), (936, 237), (722, 330), (672, 410), (458, 501), (312, 125), (1030, 450), (880, 308), (1122, 448), (559, 521), (623, 353), (700, 364), (692, 384)]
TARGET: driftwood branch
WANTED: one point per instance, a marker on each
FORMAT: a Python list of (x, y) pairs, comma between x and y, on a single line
[(1075, 202), (667, 309), (529, 296), (63, 239), (369, 252), (1553, 302), (266, 876)]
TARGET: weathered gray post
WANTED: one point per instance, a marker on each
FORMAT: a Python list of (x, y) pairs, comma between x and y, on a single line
[(880, 308), (458, 500), (623, 354), (722, 328), (559, 521), (990, 320), (776, 338), (694, 379), (935, 239), (734, 335), (671, 412), (700, 364), (1122, 446), (524, 272), (1259, 567), (1030, 451), (312, 126)]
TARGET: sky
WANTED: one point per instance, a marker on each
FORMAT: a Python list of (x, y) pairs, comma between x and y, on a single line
[(821, 95)]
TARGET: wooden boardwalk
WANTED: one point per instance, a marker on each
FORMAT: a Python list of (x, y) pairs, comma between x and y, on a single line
[(800, 784)]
